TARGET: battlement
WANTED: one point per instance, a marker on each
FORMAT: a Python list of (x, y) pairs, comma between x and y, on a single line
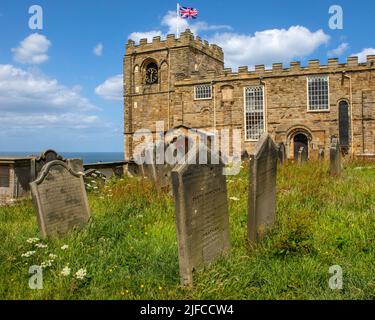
[(295, 67), (171, 41)]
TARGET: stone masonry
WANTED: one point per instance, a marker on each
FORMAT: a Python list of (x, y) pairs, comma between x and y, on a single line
[(186, 62)]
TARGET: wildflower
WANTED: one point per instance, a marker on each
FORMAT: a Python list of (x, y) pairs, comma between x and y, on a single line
[(88, 185), (142, 286), (28, 254), (66, 271), (65, 247), (234, 199), (32, 240), (41, 245), (81, 274), (52, 256), (94, 175), (160, 288), (46, 264)]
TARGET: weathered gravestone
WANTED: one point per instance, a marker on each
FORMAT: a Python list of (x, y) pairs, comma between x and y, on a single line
[(76, 165), (202, 217), (45, 157), (60, 199), (262, 188), (321, 155), (335, 159), (281, 152), (302, 155), (51, 155)]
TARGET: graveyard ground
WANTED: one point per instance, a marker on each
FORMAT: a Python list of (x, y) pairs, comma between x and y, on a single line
[(129, 249)]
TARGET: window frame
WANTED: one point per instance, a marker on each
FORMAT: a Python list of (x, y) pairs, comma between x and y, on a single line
[(308, 93), (263, 112), (5, 174), (202, 85)]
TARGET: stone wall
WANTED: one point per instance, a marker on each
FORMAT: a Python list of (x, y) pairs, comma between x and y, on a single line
[(192, 62)]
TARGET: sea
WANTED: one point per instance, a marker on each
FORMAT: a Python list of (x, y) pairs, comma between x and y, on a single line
[(87, 157)]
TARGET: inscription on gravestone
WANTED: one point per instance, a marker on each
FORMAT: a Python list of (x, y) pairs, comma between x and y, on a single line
[(202, 217), (60, 199), (262, 188)]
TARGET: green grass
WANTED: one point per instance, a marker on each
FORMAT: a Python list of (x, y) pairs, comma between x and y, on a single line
[(130, 252)]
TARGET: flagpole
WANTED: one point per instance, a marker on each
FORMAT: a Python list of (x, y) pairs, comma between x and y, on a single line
[(177, 22)]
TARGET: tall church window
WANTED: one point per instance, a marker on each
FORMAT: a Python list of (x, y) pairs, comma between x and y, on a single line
[(318, 93), (254, 112), (203, 92)]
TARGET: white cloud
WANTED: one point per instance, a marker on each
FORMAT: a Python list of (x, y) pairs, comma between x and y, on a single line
[(21, 89), (111, 89), (339, 50), (29, 100), (362, 56), (98, 50), (263, 47), (32, 50), (173, 23), (136, 36), (269, 46)]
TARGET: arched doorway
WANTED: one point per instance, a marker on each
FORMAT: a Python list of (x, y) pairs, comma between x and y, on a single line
[(300, 140), (344, 125)]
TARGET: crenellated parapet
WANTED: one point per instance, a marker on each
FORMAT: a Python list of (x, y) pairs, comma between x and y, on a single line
[(295, 68), (186, 38)]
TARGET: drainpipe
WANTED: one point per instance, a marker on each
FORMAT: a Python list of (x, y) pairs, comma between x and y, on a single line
[(169, 89), (363, 128), (351, 110), (214, 97), (265, 104)]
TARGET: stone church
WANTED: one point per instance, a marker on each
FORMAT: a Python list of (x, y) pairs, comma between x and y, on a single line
[(182, 81)]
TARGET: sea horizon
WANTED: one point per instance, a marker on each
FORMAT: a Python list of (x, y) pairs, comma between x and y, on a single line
[(87, 157)]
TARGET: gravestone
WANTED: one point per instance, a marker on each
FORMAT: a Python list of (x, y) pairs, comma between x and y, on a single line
[(335, 159), (148, 168), (60, 199), (262, 188), (321, 155), (202, 218), (302, 155), (43, 159), (281, 152), (76, 165)]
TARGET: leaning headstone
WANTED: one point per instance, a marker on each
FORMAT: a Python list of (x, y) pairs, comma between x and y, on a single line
[(281, 152), (60, 199), (335, 160), (262, 189), (202, 217)]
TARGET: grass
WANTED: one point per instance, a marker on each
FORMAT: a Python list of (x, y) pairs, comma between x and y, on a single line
[(129, 248)]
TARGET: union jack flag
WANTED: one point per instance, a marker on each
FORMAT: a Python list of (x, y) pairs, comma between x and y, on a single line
[(188, 13)]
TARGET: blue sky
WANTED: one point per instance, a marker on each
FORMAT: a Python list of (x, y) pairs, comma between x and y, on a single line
[(56, 92)]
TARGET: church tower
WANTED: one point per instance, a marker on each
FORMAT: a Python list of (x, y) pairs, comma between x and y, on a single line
[(150, 73)]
